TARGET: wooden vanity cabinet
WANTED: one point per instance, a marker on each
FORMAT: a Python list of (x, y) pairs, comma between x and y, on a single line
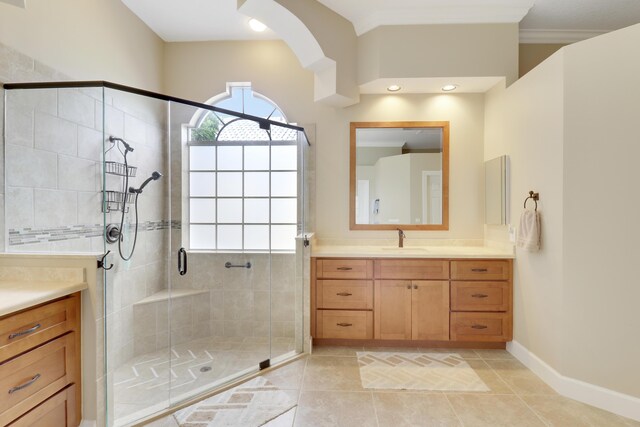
[(411, 310), (428, 300), (40, 365)]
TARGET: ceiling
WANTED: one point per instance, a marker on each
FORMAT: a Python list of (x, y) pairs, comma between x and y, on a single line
[(552, 20), (541, 21)]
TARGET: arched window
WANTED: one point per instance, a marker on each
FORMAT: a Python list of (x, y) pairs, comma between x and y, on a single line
[(242, 179)]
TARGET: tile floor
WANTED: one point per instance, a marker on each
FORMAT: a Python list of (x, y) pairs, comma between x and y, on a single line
[(329, 393), (173, 374)]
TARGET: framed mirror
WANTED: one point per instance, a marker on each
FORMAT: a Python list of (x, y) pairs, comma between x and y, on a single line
[(399, 176)]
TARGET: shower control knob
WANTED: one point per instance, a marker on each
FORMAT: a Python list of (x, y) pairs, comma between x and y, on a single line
[(112, 233)]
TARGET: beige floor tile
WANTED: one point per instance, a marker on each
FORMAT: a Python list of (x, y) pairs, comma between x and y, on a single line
[(519, 378), (489, 354), (489, 377), (391, 349), (560, 411), (403, 409), (288, 376), (335, 351), (332, 373), (284, 420), (493, 411), (335, 409)]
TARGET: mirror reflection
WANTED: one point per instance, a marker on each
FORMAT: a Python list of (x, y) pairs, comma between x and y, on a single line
[(399, 175)]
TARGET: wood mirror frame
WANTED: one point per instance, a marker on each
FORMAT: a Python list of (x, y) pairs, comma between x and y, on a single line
[(445, 176)]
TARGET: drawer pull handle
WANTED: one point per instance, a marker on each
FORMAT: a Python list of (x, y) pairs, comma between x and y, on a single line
[(479, 270), (344, 268), (25, 332), (479, 326), (25, 385), (344, 325), (344, 294), (480, 295)]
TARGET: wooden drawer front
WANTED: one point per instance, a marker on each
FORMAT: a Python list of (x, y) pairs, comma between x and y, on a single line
[(344, 268), (57, 411), (480, 327), (345, 294), (416, 269), (31, 378), (480, 296), (480, 270), (345, 324), (30, 328)]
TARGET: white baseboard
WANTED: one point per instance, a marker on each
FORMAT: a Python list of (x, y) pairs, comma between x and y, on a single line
[(600, 397), (88, 423)]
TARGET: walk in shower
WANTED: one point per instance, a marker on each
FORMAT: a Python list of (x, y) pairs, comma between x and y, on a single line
[(201, 211)]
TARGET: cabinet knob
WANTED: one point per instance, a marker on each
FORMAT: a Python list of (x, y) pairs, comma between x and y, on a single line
[(343, 294), (479, 295), (408, 286), (415, 286), (344, 268), (25, 385), (479, 326), (25, 332), (344, 325), (479, 270)]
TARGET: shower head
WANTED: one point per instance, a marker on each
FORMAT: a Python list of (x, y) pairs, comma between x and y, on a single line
[(126, 146), (154, 177)]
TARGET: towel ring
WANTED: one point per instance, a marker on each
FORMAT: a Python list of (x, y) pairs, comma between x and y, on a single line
[(533, 196)]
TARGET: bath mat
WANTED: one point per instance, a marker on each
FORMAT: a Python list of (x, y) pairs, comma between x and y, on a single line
[(418, 371), (250, 404)]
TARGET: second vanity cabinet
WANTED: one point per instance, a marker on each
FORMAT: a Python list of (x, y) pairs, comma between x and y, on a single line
[(430, 300)]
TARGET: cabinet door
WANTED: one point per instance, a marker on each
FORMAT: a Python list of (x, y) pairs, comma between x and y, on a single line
[(392, 315), (430, 310)]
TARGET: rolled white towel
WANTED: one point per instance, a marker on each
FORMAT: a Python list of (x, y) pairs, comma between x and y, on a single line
[(529, 231)]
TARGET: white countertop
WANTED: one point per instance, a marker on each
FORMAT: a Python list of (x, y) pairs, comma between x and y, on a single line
[(345, 251), (17, 295)]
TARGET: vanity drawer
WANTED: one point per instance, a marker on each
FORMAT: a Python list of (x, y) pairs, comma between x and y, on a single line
[(30, 378), (57, 411), (345, 294), (480, 270), (344, 324), (480, 296), (411, 269), (344, 268), (29, 328), (480, 327)]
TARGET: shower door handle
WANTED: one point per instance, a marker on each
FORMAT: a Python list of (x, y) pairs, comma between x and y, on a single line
[(182, 261)]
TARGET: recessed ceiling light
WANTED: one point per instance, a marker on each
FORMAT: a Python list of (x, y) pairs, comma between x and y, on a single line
[(256, 25), (449, 88), (394, 88)]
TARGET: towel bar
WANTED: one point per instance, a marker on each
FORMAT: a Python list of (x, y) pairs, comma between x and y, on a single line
[(533, 196)]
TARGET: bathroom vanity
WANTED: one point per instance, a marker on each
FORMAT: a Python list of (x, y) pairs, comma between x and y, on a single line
[(418, 300)]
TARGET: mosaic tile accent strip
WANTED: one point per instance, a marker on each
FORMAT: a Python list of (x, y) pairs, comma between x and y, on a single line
[(418, 371), (28, 235), (251, 404)]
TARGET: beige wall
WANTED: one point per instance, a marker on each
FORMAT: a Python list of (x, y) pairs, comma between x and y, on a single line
[(86, 39), (601, 228), (200, 70), (574, 139), (439, 51), (525, 122), (530, 55)]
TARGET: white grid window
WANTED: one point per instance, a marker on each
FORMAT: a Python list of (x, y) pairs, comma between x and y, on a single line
[(240, 203)]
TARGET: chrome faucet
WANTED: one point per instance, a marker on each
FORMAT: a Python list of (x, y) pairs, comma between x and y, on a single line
[(401, 237)]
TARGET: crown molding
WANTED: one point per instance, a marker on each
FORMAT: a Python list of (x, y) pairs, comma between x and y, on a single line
[(557, 36), (441, 15)]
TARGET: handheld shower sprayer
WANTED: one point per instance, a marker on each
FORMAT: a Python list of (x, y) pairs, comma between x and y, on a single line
[(154, 177)]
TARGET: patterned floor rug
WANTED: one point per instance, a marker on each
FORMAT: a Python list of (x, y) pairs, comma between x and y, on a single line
[(251, 404), (418, 371)]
